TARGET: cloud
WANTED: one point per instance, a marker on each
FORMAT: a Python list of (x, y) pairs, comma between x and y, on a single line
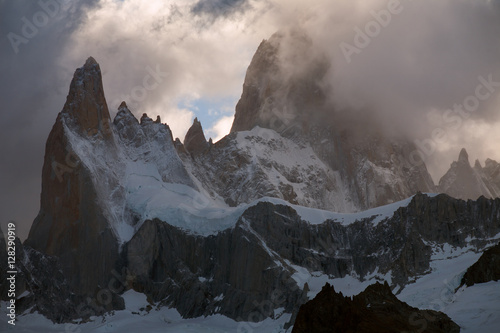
[(394, 67), (427, 59), (220, 129), (131, 36)]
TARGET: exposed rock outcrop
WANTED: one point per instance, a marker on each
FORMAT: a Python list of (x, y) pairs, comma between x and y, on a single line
[(486, 269), (85, 104), (374, 310), (195, 141), (229, 273)]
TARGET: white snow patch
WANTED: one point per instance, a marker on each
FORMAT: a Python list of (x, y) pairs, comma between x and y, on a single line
[(318, 216), (154, 321), (477, 308)]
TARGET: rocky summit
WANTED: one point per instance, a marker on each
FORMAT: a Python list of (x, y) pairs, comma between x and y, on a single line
[(250, 227), (466, 182), (374, 310)]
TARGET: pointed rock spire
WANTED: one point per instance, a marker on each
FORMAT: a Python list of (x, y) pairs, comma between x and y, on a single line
[(465, 182), (86, 104), (463, 157), (123, 105), (145, 119), (124, 116), (477, 165), (72, 224), (195, 141)]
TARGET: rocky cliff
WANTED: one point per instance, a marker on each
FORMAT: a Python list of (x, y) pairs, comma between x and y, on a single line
[(195, 141), (72, 223), (271, 247), (374, 310)]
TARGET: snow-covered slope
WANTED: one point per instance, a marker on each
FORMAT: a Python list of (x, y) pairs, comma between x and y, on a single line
[(129, 170)]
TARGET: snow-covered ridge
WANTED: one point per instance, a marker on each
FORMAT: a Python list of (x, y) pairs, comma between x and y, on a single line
[(139, 176), (295, 165)]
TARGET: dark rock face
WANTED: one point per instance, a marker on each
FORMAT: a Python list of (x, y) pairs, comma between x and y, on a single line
[(374, 310), (195, 141), (283, 86), (71, 224), (45, 287), (41, 286), (86, 104), (486, 269), (230, 273), (236, 270)]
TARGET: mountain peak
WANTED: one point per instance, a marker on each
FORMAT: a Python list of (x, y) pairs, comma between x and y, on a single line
[(195, 141), (463, 156), (85, 103), (477, 165), (123, 105), (145, 119), (91, 62)]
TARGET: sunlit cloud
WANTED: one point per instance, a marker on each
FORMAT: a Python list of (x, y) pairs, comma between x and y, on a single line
[(220, 129)]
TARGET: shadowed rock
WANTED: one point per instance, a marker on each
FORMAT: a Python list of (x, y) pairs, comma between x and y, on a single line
[(195, 141), (486, 269), (374, 310)]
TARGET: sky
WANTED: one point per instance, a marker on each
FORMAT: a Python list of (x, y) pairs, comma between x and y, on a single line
[(411, 62)]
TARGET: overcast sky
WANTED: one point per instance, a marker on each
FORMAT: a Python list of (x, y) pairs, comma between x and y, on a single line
[(421, 61)]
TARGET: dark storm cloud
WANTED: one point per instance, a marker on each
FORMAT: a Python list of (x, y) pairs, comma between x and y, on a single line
[(429, 59), (31, 94), (219, 8)]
